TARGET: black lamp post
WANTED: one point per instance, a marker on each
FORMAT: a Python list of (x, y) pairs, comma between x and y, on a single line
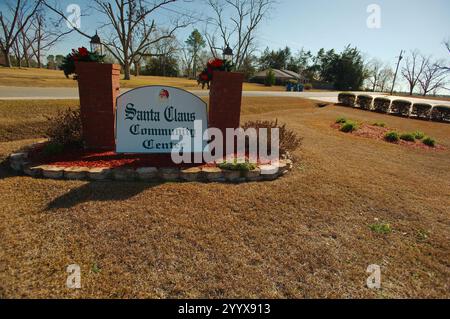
[(96, 44), (228, 54)]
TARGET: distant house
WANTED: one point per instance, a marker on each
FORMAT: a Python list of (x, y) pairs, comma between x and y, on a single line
[(281, 76)]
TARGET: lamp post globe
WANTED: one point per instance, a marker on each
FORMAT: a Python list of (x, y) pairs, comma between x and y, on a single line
[(228, 54), (96, 44)]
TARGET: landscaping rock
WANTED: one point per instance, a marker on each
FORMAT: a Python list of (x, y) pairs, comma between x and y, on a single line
[(253, 175), (50, 171), (283, 167), (192, 174), (269, 172), (147, 173), (124, 174), (17, 160), (33, 171), (76, 172), (18, 156), (99, 173), (169, 174), (231, 176), (213, 174)]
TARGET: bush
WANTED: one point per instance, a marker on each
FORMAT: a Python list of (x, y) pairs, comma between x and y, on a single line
[(421, 110), (381, 105), (53, 149), (269, 80), (409, 137), (289, 140), (347, 99), (65, 128), (365, 102), (418, 135), (401, 107), (440, 113), (392, 137), (341, 120), (308, 86), (235, 166), (379, 124), (349, 126), (429, 141)]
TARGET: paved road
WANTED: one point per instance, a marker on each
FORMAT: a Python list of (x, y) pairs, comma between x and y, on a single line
[(29, 93)]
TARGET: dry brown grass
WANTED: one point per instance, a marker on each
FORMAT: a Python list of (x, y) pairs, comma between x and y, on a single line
[(305, 235), (26, 77)]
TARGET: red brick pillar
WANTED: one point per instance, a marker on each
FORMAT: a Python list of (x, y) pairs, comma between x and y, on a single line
[(225, 98), (98, 86)]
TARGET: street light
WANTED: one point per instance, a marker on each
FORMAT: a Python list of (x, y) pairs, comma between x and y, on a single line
[(96, 44), (228, 54)]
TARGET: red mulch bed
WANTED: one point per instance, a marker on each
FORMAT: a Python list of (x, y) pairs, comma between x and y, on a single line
[(76, 156), (377, 132)]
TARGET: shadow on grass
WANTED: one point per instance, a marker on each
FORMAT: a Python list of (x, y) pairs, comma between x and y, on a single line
[(99, 192)]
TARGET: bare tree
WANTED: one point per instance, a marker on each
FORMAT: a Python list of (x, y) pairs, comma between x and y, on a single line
[(414, 66), (374, 68), (44, 34), (238, 30), (13, 18), (129, 29), (386, 76), (132, 31), (433, 77)]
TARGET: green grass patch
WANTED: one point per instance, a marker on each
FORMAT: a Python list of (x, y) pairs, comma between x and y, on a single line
[(341, 120), (379, 124), (235, 166), (381, 228)]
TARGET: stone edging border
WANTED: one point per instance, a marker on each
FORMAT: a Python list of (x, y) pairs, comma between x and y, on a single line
[(19, 163)]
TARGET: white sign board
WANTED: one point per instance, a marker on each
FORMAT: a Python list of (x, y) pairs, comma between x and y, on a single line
[(146, 117)]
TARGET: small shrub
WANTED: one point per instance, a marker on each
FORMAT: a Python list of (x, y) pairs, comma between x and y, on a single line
[(341, 120), (392, 137), (347, 99), (429, 141), (349, 126), (65, 128), (269, 80), (381, 228), (440, 113), (235, 166), (421, 110), (381, 104), (53, 148), (289, 140), (308, 86), (409, 137), (365, 102), (379, 124), (418, 135), (401, 107)]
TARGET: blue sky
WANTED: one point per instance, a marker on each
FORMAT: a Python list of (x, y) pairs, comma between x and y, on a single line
[(313, 24)]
